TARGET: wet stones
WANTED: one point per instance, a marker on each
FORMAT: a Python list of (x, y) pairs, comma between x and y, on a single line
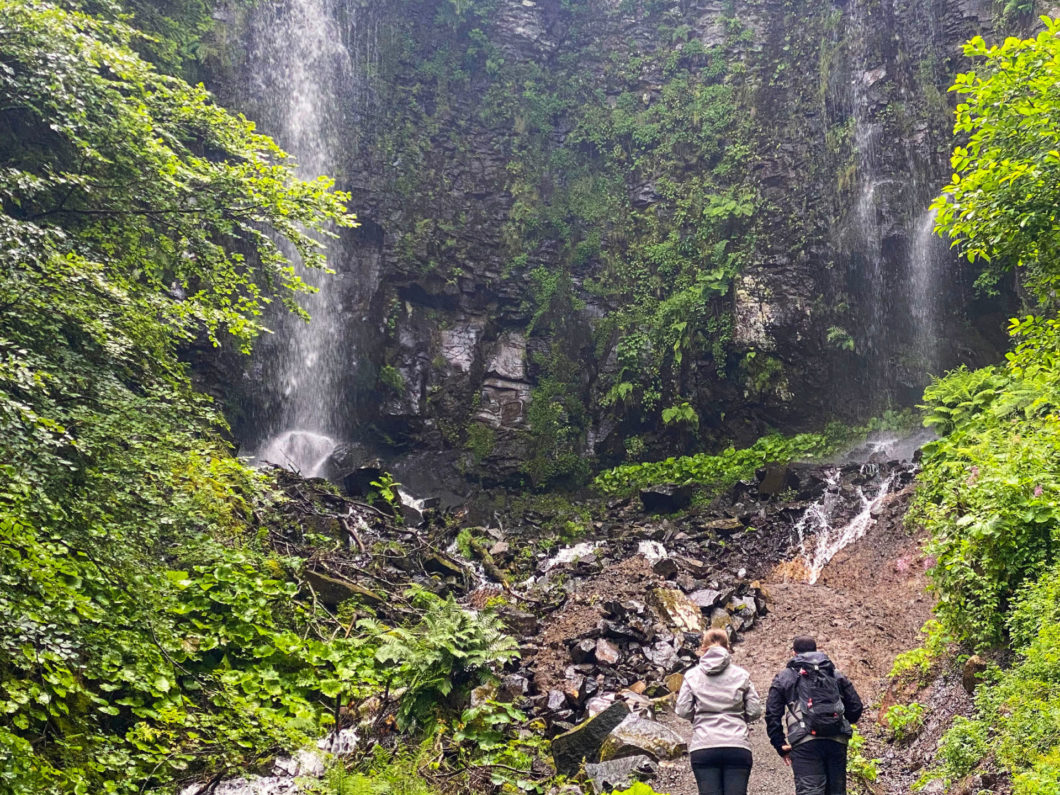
[(582, 743)]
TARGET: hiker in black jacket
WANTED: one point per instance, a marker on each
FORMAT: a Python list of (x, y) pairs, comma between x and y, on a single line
[(813, 705)]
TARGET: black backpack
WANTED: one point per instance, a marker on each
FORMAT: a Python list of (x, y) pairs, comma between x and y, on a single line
[(819, 703)]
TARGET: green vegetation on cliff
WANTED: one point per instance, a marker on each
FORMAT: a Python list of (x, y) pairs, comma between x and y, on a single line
[(627, 169), (988, 491)]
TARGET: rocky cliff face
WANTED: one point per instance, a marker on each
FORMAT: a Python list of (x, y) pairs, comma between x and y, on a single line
[(608, 227)]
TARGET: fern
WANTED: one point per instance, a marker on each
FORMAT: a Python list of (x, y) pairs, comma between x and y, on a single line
[(448, 650)]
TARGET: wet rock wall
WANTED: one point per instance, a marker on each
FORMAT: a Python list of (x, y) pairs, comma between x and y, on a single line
[(579, 215)]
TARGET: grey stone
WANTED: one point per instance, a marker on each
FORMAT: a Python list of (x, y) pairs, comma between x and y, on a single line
[(637, 736), (620, 774), (513, 687), (583, 742), (557, 700), (706, 598), (662, 654), (583, 651), (607, 652)]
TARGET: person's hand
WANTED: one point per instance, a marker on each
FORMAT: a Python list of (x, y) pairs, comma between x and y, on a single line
[(785, 754)]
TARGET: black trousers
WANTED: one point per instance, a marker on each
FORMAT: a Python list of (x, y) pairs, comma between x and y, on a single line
[(820, 767), (721, 771)]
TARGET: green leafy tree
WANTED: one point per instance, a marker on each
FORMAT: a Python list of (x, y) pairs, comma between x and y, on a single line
[(1000, 206), (143, 635)]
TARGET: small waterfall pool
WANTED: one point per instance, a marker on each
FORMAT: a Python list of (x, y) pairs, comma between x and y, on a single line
[(304, 452)]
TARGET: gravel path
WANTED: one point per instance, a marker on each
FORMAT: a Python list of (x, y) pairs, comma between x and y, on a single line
[(867, 607)]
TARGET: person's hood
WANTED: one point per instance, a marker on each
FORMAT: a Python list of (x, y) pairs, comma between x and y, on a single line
[(715, 660), (820, 659)]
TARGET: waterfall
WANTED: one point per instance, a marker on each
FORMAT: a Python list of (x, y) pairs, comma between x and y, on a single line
[(865, 219), (898, 265), (928, 262), (305, 76)]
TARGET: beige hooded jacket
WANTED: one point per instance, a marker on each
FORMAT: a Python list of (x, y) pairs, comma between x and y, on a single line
[(720, 700)]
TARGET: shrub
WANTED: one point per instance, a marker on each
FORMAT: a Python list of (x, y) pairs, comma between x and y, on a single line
[(905, 720)]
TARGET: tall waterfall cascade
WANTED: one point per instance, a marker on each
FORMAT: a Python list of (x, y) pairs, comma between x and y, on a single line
[(904, 316), (306, 79)]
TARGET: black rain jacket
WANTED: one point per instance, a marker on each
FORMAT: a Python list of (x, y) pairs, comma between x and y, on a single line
[(782, 699)]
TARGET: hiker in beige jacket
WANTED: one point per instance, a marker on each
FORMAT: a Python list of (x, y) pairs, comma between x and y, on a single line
[(719, 699)]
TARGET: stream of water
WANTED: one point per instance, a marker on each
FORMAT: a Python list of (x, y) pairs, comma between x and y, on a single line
[(305, 78), (821, 537)]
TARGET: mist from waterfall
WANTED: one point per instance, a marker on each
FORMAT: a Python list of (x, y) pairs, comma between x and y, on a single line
[(898, 264)]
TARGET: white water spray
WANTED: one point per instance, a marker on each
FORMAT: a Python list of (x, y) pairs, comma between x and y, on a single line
[(929, 256)]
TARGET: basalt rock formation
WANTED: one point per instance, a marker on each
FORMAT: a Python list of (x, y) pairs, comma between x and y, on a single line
[(597, 229)]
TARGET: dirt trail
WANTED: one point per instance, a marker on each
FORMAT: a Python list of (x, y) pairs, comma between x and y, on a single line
[(867, 607)]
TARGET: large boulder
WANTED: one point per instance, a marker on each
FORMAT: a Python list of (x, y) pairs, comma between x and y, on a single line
[(636, 736), (666, 498), (678, 611), (583, 742), (620, 774)]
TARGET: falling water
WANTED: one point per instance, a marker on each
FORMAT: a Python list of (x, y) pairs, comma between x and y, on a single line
[(820, 538), (928, 261), (306, 82), (865, 220), (899, 301)]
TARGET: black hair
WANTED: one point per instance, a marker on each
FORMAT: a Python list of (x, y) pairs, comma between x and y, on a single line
[(803, 644)]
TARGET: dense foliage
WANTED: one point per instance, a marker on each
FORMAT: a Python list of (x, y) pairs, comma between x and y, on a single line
[(139, 635), (718, 471), (1002, 199), (988, 489), (146, 633), (715, 472)]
